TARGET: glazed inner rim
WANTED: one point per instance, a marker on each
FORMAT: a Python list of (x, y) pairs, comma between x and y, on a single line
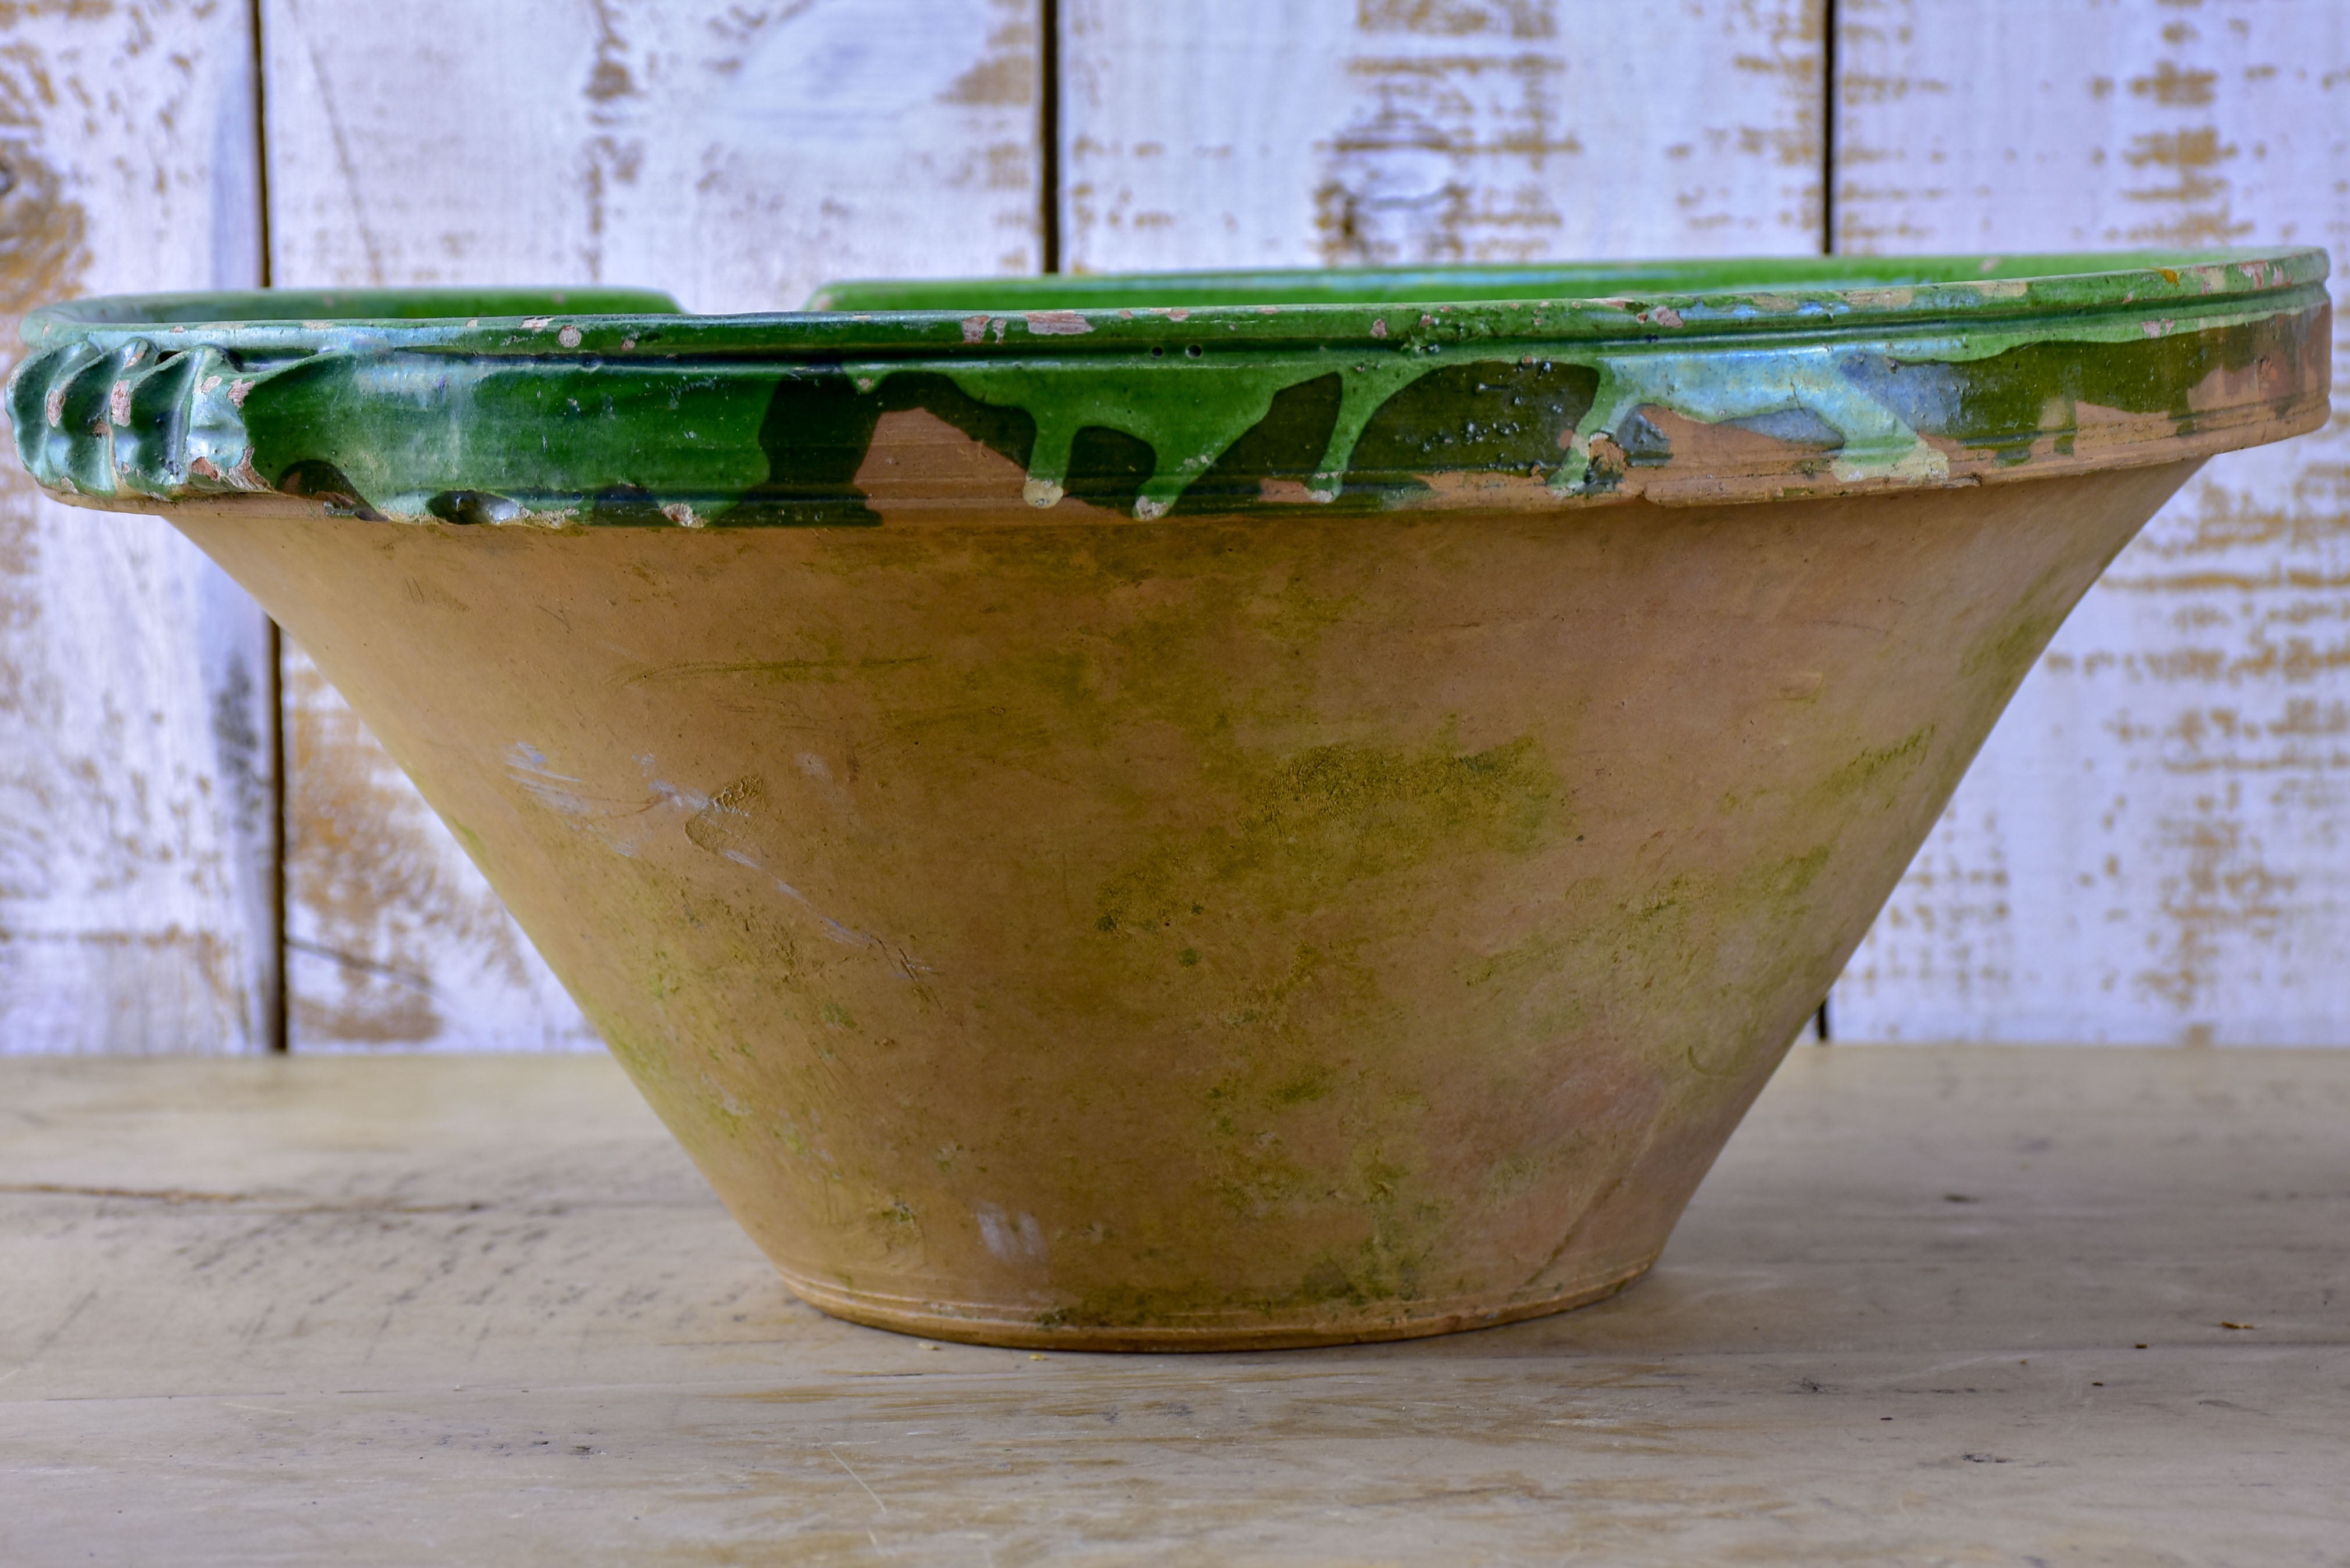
[(1638, 301)]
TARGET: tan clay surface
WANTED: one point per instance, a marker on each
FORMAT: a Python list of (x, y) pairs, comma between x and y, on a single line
[(1201, 933), (482, 1312)]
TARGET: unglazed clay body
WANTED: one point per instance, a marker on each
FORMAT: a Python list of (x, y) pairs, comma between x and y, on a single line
[(1072, 876)]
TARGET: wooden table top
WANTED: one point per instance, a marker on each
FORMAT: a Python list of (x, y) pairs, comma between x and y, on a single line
[(1949, 1305)]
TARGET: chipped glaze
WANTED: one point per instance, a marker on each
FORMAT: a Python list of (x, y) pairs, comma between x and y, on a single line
[(1188, 912)]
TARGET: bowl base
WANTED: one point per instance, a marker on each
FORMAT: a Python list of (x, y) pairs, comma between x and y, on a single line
[(977, 1323)]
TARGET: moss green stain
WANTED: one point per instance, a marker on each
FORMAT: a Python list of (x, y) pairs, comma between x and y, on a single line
[(1874, 774), (1312, 1082), (1288, 1110), (2000, 659), (1693, 934), (1366, 1272), (1309, 824), (1779, 888), (645, 1063)]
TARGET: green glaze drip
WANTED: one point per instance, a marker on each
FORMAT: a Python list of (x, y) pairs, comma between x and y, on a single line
[(1216, 405), (1213, 404), (1365, 389)]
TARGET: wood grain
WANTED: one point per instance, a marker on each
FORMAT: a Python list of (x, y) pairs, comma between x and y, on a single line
[(136, 781), (1944, 1306), (734, 154), (1333, 132), (2155, 845)]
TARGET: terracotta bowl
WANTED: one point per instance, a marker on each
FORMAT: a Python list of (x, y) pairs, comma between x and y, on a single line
[(1193, 812)]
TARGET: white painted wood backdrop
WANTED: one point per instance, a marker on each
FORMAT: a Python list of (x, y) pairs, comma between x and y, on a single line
[(2155, 846), (136, 882)]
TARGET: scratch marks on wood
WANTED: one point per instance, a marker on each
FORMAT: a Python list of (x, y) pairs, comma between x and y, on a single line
[(2154, 845)]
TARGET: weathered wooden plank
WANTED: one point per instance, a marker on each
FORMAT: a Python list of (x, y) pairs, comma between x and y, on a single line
[(736, 155), (136, 780), (2154, 845), (1957, 1305), (1300, 133)]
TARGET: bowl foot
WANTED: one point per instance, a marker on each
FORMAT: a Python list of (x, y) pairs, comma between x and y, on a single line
[(986, 1323)]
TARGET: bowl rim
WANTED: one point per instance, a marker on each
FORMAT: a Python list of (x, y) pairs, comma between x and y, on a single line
[(399, 409), (1062, 315)]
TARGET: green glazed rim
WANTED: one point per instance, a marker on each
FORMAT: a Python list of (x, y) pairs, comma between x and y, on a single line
[(1222, 392)]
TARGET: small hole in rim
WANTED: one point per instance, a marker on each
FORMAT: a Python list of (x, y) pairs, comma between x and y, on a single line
[(1158, 353), (1192, 351)]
